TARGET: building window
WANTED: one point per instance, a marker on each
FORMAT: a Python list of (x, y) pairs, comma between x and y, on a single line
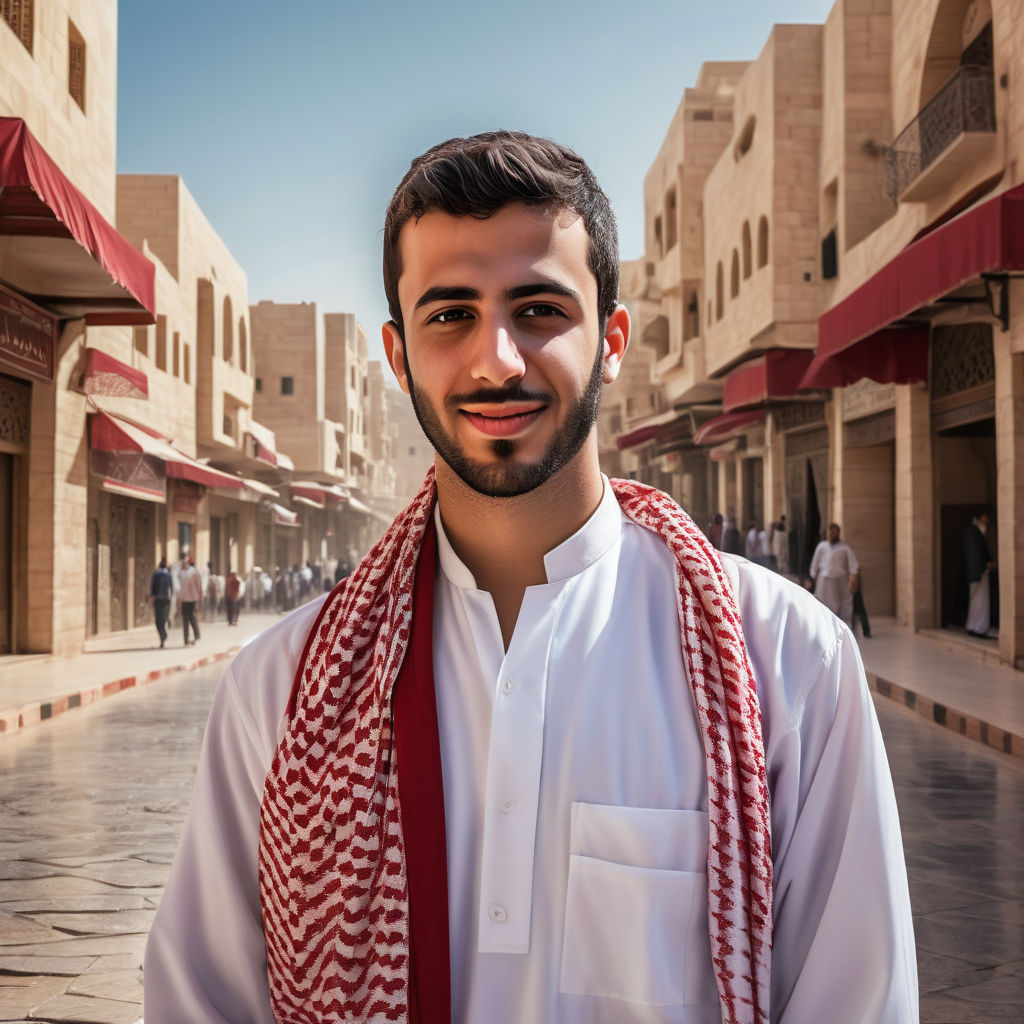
[(412, 451), (18, 14), (141, 337), (243, 346), (259, 385), (734, 275), (76, 65), (287, 385), (746, 250), (658, 244), (829, 256), (746, 137), (161, 343), (762, 243), (177, 354), (188, 364), (229, 331), (671, 218), (719, 291)]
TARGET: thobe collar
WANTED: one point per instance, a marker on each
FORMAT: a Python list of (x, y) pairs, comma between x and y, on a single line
[(570, 558)]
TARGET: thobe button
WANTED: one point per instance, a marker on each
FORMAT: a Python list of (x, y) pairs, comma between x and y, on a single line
[(497, 913), (507, 687), (508, 806)]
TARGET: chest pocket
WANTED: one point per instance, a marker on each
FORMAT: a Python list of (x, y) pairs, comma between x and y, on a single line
[(636, 914)]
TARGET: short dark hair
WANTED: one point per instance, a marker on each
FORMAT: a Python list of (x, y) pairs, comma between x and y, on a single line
[(479, 175)]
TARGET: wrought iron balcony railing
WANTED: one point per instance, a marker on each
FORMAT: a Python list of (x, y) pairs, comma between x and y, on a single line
[(966, 103)]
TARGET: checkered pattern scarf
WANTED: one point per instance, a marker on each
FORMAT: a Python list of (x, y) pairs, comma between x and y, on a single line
[(333, 881)]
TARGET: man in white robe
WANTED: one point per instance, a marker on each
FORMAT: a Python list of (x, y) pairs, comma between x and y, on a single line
[(835, 572), (576, 798)]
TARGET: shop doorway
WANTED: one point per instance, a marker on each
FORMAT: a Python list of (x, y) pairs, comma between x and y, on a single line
[(965, 460), (806, 506)]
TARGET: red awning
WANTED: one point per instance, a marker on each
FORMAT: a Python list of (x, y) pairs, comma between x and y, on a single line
[(105, 375), (55, 246), (988, 238), (109, 433), (894, 356), (312, 492), (721, 428), (776, 374), (284, 516), (638, 436)]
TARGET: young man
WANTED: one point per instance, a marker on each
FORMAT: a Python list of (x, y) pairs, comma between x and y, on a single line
[(544, 756)]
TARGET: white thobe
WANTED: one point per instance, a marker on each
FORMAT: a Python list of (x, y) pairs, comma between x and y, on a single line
[(831, 569), (576, 807)]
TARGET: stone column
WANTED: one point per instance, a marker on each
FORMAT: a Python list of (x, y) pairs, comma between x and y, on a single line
[(1009, 364), (915, 509)]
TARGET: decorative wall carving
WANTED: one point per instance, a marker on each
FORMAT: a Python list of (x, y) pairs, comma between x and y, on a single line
[(799, 414), (805, 444), (867, 397), (877, 429), (962, 359), (15, 411)]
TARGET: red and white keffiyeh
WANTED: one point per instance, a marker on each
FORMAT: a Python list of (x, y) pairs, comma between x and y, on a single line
[(334, 874)]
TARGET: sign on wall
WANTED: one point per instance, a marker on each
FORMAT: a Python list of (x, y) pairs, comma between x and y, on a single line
[(28, 336)]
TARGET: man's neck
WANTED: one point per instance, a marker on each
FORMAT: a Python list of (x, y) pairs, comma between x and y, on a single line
[(503, 541)]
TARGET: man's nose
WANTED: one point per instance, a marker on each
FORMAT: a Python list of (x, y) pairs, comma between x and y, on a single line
[(497, 357)]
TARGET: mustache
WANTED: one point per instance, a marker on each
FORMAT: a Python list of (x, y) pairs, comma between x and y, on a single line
[(492, 396)]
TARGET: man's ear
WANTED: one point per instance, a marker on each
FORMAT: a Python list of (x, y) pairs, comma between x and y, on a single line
[(394, 348), (616, 338)]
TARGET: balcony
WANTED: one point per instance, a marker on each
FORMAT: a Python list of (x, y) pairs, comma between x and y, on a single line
[(953, 131)]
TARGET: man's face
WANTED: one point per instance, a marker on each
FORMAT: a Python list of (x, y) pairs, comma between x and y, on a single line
[(833, 534), (503, 354)]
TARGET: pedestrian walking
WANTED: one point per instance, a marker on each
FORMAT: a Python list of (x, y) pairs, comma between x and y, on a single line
[(232, 596), (191, 595), (834, 570), (161, 590)]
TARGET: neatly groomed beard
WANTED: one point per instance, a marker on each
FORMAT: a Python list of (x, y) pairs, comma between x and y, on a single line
[(506, 478)]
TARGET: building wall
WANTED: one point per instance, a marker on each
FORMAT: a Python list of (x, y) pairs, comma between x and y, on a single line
[(288, 341), (34, 86)]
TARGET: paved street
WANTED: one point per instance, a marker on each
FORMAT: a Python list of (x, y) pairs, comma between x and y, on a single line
[(91, 805)]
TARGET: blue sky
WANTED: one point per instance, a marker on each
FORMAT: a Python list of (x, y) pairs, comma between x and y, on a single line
[(291, 123)]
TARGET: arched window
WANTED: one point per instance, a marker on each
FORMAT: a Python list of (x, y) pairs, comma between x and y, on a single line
[(719, 291), (229, 331), (734, 276), (19, 14), (243, 345), (762, 243), (710, 318), (746, 250)]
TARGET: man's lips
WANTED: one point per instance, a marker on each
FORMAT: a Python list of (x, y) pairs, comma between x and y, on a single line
[(505, 419)]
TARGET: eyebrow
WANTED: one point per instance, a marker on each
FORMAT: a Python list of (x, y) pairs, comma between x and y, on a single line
[(444, 293)]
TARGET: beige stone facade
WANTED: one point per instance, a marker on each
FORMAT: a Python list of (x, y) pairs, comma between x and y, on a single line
[(896, 123)]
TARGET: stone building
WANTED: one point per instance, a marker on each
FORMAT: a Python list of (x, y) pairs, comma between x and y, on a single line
[(413, 453), (68, 283), (313, 391), (859, 297)]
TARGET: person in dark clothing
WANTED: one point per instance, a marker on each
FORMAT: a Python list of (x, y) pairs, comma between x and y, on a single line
[(232, 597), (859, 611), (161, 589), (976, 566)]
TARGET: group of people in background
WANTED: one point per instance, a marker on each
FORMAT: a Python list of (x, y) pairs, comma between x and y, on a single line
[(769, 548), (182, 592), (834, 572)]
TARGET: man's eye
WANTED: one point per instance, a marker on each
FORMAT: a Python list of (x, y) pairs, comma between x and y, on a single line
[(449, 316), (542, 309)]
